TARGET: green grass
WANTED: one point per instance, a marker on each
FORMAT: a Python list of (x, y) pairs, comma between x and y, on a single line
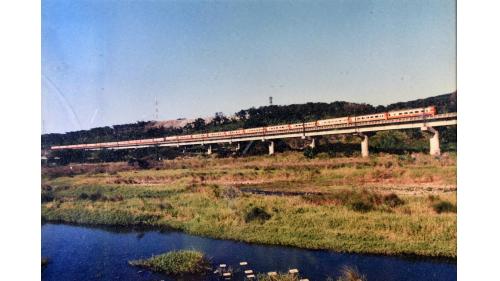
[(356, 211), (176, 263)]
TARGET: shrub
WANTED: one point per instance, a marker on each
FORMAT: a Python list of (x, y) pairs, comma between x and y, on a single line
[(257, 214), (348, 273), (444, 207), (363, 201), (361, 205), (176, 263), (95, 196), (310, 152), (47, 196), (393, 200), (83, 196)]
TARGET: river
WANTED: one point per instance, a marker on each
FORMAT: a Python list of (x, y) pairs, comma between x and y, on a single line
[(95, 253)]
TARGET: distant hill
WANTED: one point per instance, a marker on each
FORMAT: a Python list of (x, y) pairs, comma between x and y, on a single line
[(178, 123), (246, 118)]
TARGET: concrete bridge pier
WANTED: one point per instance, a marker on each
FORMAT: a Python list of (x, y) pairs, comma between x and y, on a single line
[(435, 149), (364, 145), (271, 147), (313, 143), (209, 151)]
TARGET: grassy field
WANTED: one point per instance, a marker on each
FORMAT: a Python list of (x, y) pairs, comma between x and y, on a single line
[(385, 204)]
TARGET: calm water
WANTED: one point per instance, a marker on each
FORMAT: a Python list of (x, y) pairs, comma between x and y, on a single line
[(87, 253)]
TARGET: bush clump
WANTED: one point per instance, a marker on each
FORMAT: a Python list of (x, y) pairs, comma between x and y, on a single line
[(95, 196), (361, 205), (348, 273), (444, 207), (176, 263), (47, 196), (310, 152), (392, 200), (83, 196), (257, 214)]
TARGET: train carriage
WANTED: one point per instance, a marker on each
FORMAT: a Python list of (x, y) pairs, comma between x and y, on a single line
[(333, 121), (133, 142), (199, 136), (216, 134), (259, 130), (185, 137), (236, 132), (412, 112), (170, 139), (278, 128), (296, 126), (122, 143), (147, 141), (371, 117), (311, 124)]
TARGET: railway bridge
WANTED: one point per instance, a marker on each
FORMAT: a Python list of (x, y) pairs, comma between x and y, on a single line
[(361, 129)]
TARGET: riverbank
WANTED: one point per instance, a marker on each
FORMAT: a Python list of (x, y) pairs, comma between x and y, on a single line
[(382, 205)]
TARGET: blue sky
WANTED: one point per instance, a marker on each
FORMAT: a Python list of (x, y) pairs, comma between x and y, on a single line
[(104, 62)]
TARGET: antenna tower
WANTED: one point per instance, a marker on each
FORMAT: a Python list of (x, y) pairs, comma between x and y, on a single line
[(156, 108)]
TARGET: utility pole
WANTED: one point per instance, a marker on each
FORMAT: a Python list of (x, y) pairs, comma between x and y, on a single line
[(156, 108), (270, 100)]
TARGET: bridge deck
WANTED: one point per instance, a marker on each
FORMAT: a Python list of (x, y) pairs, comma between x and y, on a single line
[(447, 119)]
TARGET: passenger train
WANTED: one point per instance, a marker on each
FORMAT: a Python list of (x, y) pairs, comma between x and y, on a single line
[(262, 131)]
